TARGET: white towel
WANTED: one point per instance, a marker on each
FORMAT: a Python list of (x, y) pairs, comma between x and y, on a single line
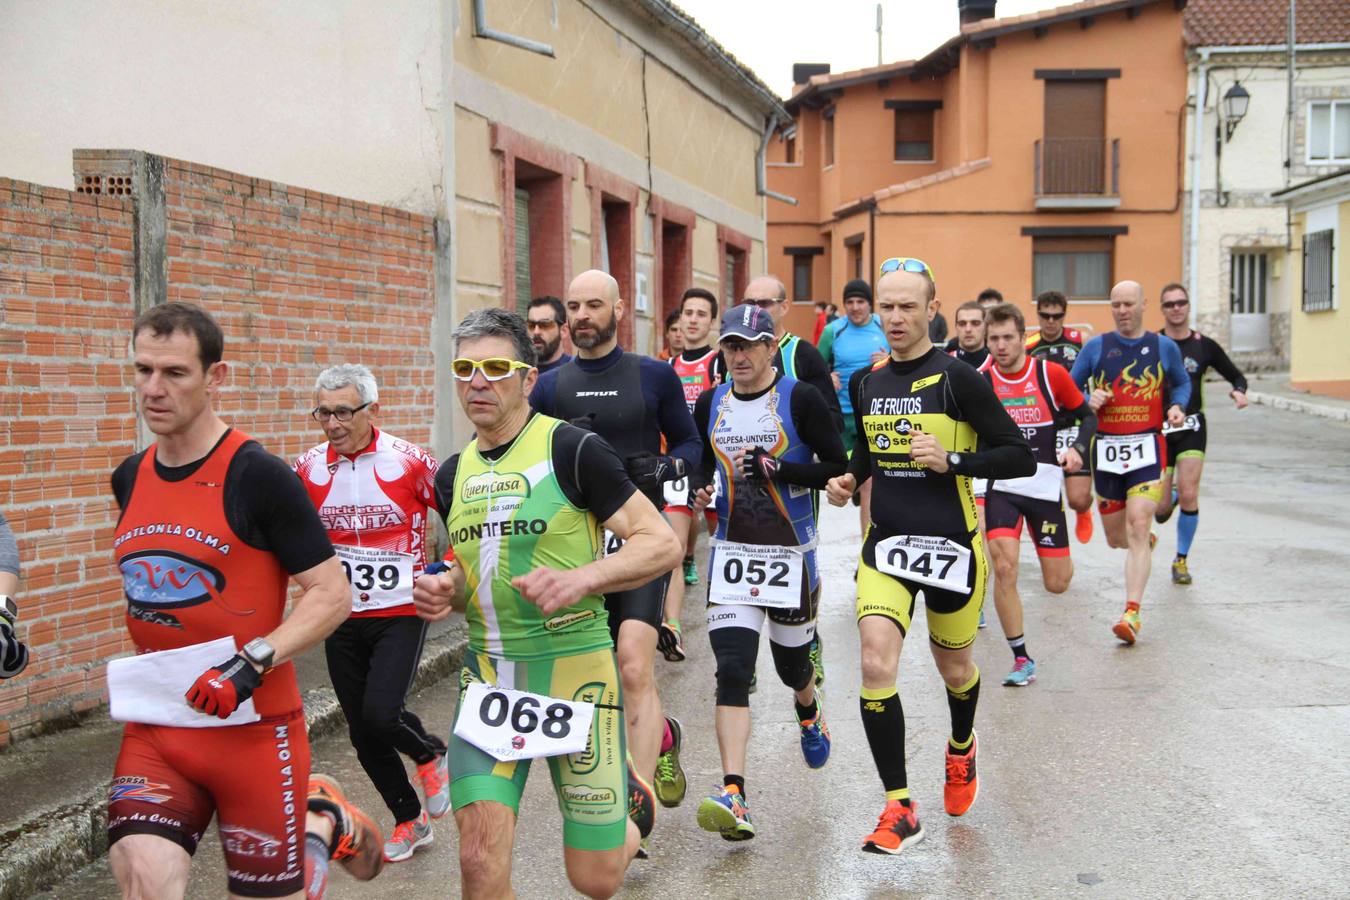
[(150, 688)]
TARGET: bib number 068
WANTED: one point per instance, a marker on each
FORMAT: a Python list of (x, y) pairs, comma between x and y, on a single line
[(524, 713)]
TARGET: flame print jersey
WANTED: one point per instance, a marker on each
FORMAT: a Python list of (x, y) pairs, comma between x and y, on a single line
[(374, 505), (1142, 375)]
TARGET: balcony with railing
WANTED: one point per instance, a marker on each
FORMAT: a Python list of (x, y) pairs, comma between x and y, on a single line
[(1078, 173)]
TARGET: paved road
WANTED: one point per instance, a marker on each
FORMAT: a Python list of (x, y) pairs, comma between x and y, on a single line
[(1208, 760)]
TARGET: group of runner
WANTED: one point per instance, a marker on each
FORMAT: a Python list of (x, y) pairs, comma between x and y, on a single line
[(570, 579)]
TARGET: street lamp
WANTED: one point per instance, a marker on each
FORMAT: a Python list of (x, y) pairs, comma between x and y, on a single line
[(1235, 101)]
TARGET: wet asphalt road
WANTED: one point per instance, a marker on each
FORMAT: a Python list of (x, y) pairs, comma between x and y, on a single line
[(1207, 760)]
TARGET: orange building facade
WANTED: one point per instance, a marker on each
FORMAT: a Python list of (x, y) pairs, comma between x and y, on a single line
[(1031, 153)]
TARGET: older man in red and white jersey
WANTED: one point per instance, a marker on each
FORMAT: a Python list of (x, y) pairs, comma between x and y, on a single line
[(373, 492)]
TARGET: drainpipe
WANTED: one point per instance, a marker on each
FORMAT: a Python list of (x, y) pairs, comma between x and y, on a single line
[(483, 30), (1197, 131), (761, 174)]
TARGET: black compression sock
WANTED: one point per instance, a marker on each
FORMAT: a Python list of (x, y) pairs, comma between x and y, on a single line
[(807, 713), (884, 724), (962, 704), (1018, 645)]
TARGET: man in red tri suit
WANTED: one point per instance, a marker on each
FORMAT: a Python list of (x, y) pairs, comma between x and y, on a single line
[(212, 529)]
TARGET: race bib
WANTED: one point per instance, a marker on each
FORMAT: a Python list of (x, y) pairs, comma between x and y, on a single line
[(509, 725), (379, 578), (612, 543), (1044, 485), (932, 561), (677, 492), (1121, 453), (756, 575), (1064, 439), (1192, 423)]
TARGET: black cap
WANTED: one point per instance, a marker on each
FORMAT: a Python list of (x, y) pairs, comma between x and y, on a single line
[(858, 288)]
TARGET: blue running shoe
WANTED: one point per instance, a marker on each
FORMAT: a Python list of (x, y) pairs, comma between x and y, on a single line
[(1023, 673), (983, 623), (816, 738), (728, 814)]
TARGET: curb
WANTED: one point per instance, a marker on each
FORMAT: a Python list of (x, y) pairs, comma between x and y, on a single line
[(1293, 404), (58, 842)]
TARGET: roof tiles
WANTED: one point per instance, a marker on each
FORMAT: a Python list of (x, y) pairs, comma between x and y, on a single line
[(1231, 23)]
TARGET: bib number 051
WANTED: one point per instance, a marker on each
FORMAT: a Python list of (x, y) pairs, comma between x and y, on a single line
[(1123, 453), (508, 724)]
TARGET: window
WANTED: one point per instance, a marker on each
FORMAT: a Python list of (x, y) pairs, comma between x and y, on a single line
[(801, 278), (913, 135), (828, 116), (854, 247), (1247, 282), (736, 276), (1317, 286), (1073, 158), (1079, 268), (1329, 131), (523, 294), (790, 150)]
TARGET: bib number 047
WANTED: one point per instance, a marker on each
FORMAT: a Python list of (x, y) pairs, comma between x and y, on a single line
[(508, 724), (932, 561)]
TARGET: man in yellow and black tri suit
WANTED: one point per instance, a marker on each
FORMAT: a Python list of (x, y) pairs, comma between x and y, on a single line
[(920, 416)]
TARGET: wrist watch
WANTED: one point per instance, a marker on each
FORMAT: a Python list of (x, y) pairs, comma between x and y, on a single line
[(677, 464), (260, 653), (953, 460), (8, 610)]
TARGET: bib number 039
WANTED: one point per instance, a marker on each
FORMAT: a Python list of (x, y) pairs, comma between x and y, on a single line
[(508, 724), (378, 577)]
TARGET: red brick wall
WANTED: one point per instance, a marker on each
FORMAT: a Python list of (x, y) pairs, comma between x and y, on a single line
[(66, 404), (299, 280)]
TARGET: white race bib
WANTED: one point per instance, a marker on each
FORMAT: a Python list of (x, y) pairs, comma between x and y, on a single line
[(612, 543), (756, 575), (379, 578), (677, 492), (1121, 453), (932, 561), (1192, 423), (1064, 439), (509, 725)]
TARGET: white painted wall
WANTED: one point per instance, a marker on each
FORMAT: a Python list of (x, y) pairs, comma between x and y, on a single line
[(342, 96), (1252, 166)]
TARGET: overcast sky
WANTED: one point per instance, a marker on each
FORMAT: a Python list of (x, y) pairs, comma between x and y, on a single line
[(770, 35)]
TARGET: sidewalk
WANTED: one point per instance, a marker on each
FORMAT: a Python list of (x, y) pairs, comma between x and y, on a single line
[(1274, 390), (53, 803)]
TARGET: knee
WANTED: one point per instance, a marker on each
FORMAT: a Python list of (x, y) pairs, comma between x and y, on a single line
[(378, 718), (877, 670), (1058, 584), (1005, 568), (482, 869), (1188, 496), (599, 881), (956, 673), (635, 672), (793, 665)]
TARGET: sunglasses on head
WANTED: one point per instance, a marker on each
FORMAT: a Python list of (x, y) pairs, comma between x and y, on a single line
[(495, 368), (1053, 317), (906, 264), (1176, 304)]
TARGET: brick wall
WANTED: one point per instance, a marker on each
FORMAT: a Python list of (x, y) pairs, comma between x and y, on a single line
[(299, 280), (66, 404)]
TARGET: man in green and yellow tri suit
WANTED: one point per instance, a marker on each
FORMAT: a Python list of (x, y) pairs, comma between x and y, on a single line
[(525, 504)]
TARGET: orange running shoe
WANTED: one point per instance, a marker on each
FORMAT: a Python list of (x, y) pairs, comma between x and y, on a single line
[(1082, 528), (898, 828), (356, 841), (1127, 629), (963, 785)]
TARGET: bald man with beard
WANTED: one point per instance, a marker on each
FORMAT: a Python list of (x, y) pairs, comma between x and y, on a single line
[(632, 401)]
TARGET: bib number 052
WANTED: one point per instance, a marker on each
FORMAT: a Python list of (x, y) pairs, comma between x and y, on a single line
[(756, 575), (508, 724)]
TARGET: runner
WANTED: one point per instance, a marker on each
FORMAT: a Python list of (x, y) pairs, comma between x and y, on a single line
[(854, 342), (1062, 345), (674, 342), (212, 528), (547, 318), (922, 415), (698, 310), (1036, 394), (968, 345), (1126, 374), (989, 298), (373, 492), (1186, 445), (762, 434), (633, 402), (524, 505), (13, 653)]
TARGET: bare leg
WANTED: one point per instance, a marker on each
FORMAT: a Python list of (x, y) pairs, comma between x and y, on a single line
[(641, 704), (149, 867), (487, 831)]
